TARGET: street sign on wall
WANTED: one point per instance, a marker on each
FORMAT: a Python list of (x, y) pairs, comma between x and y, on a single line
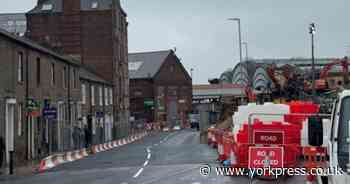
[(50, 113), (264, 157)]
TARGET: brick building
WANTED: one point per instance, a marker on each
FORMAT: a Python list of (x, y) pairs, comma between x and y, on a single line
[(33, 80), (94, 32), (96, 106), (160, 87), (48, 102)]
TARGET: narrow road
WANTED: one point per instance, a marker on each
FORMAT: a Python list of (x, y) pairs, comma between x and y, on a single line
[(165, 158)]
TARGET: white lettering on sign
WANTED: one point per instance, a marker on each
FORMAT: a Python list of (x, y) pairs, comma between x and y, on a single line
[(264, 153), (268, 138), (266, 162)]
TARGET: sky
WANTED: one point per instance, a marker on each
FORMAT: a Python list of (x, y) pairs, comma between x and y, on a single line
[(208, 43)]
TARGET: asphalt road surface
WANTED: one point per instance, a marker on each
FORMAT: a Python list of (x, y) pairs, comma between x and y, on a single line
[(165, 158)]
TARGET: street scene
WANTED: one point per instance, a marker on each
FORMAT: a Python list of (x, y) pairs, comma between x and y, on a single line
[(174, 92)]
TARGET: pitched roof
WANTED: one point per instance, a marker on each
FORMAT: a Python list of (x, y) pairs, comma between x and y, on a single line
[(85, 5), (89, 74), (31, 44), (146, 64)]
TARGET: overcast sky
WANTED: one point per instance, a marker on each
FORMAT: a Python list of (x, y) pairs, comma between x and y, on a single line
[(208, 43)]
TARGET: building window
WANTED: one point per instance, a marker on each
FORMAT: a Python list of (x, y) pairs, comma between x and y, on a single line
[(20, 67), (92, 95), (64, 77), (19, 128), (53, 74), (83, 94), (73, 79), (100, 96), (106, 96), (94, 5), (111, 96), (46, 7), (38, 71)]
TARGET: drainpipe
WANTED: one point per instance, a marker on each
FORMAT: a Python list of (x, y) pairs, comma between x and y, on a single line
[(26, 104), (69, 106), (104, 113)]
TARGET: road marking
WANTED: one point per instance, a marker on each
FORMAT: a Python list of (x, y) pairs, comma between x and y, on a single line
[(138, 173), (156, 144), (148, 150), (146, 163), (148, 156)]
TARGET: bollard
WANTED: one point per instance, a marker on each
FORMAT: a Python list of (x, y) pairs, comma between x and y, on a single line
[(11, 162)]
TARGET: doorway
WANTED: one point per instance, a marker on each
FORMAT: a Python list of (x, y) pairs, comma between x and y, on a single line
[(10, 122)]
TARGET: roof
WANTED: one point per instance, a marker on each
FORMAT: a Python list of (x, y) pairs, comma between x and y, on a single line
[(31, 44), (217, 86), (85, 5), (217, 90), (144, 65), (89, 74)]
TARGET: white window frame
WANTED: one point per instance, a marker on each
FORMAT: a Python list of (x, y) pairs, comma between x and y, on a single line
[(106, 96), (94, 5), (111, 96), (92, 95), (20, 119), (20, 67), (100, 96), (47, 7), (52, 69), (83, 94)]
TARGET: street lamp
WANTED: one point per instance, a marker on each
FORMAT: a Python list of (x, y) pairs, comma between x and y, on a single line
[(191, 74), (246, 50), (239, 36), (312, 31)]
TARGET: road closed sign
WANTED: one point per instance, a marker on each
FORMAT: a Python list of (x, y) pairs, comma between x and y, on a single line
[(268, 137), (264, 157)]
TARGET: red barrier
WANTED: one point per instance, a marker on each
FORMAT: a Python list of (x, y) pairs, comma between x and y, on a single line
[(220, 144), (228, 142)]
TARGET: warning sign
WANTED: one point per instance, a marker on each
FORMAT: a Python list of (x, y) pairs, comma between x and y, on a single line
[(263, 157), (268, 137)]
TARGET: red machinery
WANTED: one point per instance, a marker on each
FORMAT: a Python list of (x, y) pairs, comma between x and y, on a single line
[(321, 83)]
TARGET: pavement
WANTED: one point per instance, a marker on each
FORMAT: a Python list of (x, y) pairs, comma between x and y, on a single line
[(161, 158)]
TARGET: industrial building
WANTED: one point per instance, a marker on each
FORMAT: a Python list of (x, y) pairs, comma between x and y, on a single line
[(160, 87)]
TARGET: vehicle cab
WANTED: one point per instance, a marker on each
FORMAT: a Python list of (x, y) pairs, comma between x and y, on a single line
[(339, 142)]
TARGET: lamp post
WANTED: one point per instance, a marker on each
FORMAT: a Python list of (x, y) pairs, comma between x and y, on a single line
[(312, 31), (239, 36), (246, 50), (192, 74)]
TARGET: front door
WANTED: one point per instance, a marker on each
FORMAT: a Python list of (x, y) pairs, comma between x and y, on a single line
[(172, 112), (31, 137), (10, 119)]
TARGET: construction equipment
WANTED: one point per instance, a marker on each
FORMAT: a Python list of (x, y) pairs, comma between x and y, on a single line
[(321, 84)]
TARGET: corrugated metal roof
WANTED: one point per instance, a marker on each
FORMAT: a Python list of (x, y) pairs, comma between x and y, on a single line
[(149, 63), (31, 44)]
